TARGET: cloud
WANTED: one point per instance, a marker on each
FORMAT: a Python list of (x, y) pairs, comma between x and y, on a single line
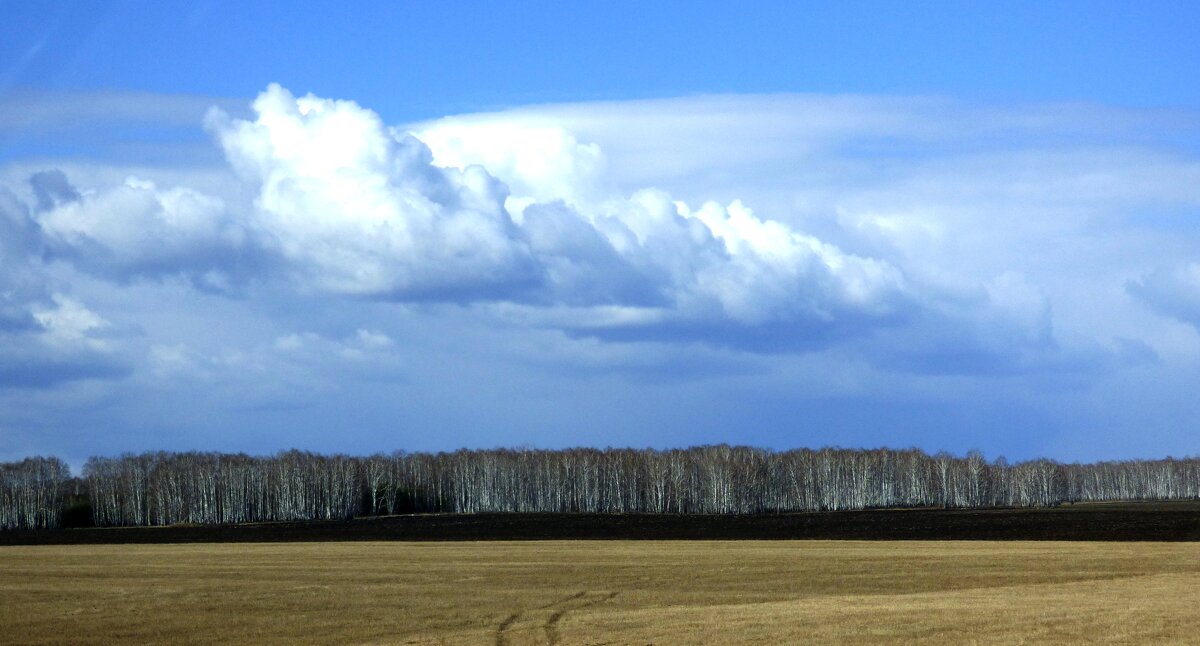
[(65, 343), (525, 215), (539, 162), (357, 211), (1002, 327), (25, 111), (140, 230), (356, 208), (803, 269), (580, 263), (21, 286), (293, 369), (1173, 291), (361, 346), (713, 138), (52, 189), (46, 338), (721, 274)]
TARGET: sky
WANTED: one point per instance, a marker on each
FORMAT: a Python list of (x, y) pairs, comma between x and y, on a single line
[(350, 228)]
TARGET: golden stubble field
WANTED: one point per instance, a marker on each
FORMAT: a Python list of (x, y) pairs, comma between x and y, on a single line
[(602, 592)]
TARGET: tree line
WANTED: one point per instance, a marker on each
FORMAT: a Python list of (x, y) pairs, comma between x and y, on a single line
[(162, 488)]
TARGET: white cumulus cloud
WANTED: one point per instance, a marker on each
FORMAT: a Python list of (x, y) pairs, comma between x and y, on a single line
[(519, 213), (355, 210), (140, 229)]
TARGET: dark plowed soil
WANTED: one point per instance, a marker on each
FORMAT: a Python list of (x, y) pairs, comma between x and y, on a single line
[(1146, 521)]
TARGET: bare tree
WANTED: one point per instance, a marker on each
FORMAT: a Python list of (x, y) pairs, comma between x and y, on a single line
[(164, 488)]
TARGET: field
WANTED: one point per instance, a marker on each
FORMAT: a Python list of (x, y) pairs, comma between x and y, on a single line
[(597, 592)]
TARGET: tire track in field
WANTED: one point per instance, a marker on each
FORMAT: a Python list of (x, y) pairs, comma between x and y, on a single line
[(503, 628), (551, 625), (558, 609)]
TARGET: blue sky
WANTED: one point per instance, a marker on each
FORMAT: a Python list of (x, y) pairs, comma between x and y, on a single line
[(347, 228), (412, 61)]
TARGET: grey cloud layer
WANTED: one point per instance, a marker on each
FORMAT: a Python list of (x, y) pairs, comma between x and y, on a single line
[(20, 286), (1174, 291), (46, 338)]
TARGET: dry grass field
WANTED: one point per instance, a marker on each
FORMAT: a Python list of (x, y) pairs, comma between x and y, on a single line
[(602, 592)]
